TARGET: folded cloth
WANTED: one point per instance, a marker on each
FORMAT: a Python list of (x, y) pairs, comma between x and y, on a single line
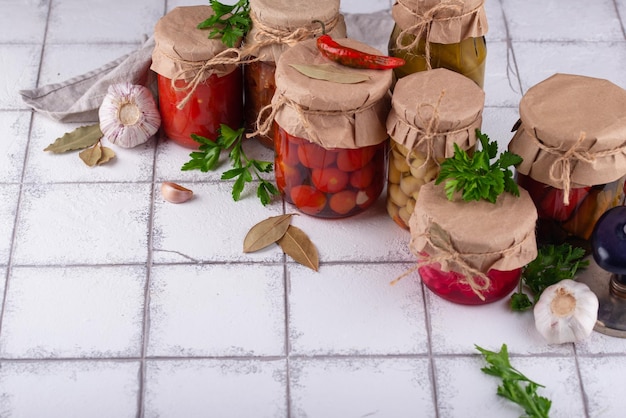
[(79, 98)]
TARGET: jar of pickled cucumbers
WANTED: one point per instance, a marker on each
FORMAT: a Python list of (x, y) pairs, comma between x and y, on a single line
[(472, 252), (330, 137), (431, 112), (572, 137), (195, 97), (276, 26), (440, 34)]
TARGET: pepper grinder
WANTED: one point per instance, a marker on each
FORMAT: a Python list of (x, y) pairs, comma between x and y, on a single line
[(606, 274)]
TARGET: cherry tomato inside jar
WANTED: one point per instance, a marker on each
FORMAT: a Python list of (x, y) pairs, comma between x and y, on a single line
[(215, 101), (327, 183), (452, 286)]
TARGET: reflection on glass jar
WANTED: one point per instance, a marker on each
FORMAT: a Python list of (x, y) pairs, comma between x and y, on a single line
[(259, 87), (328, 183)]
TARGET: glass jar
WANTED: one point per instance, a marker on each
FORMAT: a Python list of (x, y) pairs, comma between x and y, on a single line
[(432, 34), (328, 183), (574, 155), (276, 26), (195, 97), (472, 263), (431, 112)]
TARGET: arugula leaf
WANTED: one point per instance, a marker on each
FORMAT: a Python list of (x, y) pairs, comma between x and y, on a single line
[(553, 264), (230, 22), (515, 386), (207, 157), (475, 176)]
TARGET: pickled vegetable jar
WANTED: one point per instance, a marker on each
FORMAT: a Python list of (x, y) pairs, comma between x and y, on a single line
[(330, 137), (472, 252), (435, 34), (572, 136), (431, 112), (195, 97), (276, 26)]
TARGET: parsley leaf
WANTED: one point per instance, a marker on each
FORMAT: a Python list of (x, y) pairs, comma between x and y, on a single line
[(515, 386), (231, 23), (553, 264), (476, 177), (244, 169)]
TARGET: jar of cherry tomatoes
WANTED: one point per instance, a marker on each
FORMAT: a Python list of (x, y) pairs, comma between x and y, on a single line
[(276, 26), (472, 252), (431, 111), (330, 136), (195, 95), (572, 137), (436, 34)]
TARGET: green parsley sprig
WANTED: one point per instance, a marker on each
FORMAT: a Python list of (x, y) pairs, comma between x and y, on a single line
[(553, 264), (230, 22), (244, 169), (515, 386), (475, 176)]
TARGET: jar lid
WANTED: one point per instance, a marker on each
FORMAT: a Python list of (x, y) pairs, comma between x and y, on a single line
[(331, 114), (479, 234), (572, 132), (181, 49), (283, 23), (446, 22), (433, 110)]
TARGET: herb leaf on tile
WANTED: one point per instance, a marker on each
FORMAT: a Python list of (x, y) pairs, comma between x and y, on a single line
[(296, 244), (266, 232), (79, 138)]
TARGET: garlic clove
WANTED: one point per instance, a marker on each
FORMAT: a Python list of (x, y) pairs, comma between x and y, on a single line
[(566, 312), (128, 115), (175, 193)]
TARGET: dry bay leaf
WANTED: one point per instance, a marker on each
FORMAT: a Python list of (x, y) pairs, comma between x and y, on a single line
[(79, 138), (266, 232), (330, 72), (92, 155), (296, 244), (107, 155)]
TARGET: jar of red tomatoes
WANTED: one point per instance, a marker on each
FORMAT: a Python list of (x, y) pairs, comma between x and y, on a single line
[(195, 96), (276, 26), (431, 111), (572, 137), (436, 34), (330, 137), (472, 252)]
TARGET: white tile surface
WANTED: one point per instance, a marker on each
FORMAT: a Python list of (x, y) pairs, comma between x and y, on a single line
[(14, 128), (73, 312), (605, 399), (69, 389), (19, 65), (502, 87), (9, 194), (30, 14), (221, 388), (216, 311)]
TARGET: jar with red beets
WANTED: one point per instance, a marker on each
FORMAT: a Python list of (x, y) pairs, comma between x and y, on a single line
[(572, 137), (472, 252), (195, 97), (330, 138)]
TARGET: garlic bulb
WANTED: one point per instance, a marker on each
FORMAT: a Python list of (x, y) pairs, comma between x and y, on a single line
[(128, 115), (566, 312)]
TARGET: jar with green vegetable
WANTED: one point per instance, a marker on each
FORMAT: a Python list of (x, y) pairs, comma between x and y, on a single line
[(440, 34), (572, 136), (431, 112), (330, 136), (278, 25)]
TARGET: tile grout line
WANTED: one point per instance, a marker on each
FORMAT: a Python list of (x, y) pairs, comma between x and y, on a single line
[(619, 18), (509, 50), (431, 357), (287, 354), (581, 383)]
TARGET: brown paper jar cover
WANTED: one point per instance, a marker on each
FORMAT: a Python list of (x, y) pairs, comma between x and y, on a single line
[(181, 49), (277, 21), (575, 121), (330, 114), (455, 101), (449, 21), (486, 235)]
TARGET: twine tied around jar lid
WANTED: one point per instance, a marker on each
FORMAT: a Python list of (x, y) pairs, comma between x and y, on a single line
[(428, 134)]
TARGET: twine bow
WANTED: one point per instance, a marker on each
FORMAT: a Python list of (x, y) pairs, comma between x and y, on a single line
[(429, 132)]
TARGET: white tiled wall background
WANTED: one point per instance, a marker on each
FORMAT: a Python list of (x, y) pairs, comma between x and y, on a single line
[(114, 303)]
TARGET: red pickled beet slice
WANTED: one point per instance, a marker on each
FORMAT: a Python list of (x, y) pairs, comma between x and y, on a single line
[(353, 159), (343, 202), (552, 205), (314, 156), (308, 199), (329, 180)]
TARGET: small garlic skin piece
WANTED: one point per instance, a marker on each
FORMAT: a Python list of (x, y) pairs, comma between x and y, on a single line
[(175, 193), (566, 312), (129, 115)]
